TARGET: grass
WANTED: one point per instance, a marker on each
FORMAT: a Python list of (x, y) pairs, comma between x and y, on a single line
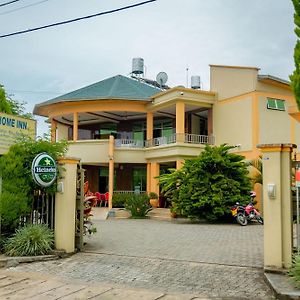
[(30, 240)]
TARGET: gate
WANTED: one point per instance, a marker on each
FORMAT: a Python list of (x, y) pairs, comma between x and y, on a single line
[(43, 209), (79, 230)]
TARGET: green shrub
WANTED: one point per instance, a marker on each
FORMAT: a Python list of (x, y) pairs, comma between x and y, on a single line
[(153, 195), (295, 271), (30, 240), (119, 199), (138, 205), (207, 186), (3, 240)]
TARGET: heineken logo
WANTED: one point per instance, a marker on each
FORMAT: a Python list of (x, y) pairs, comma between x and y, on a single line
[(44, 170)]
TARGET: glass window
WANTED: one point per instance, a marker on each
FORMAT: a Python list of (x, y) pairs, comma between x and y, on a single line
[(139, 178), (107, 129), (276, 104)]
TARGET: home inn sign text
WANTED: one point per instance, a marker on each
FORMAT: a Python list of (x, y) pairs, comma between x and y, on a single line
[(11, 126)]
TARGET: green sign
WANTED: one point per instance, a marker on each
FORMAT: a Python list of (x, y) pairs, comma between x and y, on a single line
[(44, 170)]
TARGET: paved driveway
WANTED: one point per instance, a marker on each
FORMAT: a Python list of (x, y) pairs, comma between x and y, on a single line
[(219, 244), (161, 256)]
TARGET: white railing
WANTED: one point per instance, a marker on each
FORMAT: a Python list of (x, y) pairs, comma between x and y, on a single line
[(129, 143), (199, 139), (128, 192), (181, 137), (166, 140)]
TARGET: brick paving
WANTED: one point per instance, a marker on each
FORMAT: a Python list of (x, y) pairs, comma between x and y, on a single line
[(166, 258)]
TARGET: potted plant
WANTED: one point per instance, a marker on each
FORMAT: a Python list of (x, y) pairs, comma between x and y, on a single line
[(153, 199)]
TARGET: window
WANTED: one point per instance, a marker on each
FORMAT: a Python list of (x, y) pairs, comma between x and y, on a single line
[(275, 104), (139, 178)]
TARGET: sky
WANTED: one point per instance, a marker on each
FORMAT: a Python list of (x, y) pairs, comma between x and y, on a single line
[(170, 35)]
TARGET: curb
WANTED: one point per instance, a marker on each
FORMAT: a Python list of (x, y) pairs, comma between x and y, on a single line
[(8, 262), (281, 286)]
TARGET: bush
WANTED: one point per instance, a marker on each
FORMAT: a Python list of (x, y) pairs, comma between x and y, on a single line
[(206, 187), (153, 195), (295, 271), (18, 185), (138, 205), (30, 240), (119, 199)]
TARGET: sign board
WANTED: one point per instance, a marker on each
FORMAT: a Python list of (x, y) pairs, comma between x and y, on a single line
[(11, 127), (44, 170)]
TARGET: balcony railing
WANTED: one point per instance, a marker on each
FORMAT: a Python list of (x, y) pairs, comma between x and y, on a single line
[(129, 143), (181, 137), (166, 140)]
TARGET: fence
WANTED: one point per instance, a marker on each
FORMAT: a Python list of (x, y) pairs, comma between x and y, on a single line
[(42, 211)]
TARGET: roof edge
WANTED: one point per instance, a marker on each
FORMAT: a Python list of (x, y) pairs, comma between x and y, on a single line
[(274, 78), (234, 67)]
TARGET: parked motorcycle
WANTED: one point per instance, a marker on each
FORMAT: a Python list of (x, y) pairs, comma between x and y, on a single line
[(244, 214)]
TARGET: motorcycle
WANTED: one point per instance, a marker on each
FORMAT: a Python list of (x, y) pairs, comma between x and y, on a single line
[(244, 214)]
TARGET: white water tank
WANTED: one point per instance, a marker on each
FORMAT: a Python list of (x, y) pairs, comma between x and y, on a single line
[(138, 65), (195, 82)]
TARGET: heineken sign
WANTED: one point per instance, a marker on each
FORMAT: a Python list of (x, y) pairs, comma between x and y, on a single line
[(44, 170)]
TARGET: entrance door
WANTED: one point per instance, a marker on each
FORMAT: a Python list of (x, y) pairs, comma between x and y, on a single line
[(103, 184)]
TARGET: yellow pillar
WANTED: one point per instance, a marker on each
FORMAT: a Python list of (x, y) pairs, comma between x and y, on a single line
[(53, 130), (65, 206), (180, 107), (149, 125), (277, 207), (154, 170), (148, 177), (111, 147), (75, 126), (210, 121), (179, 164)]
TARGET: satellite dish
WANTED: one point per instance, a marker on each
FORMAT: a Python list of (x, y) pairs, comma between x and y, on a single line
[(161, 78)]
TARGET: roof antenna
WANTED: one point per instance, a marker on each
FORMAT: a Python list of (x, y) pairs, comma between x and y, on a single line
[(187, 77)]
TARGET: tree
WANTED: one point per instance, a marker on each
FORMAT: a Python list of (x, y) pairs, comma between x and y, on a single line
[(18, 185), (295, 77), (256, 164), (4, 104), (207, 186), (12, 106)]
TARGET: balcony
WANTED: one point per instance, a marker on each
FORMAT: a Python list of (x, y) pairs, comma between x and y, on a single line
[(185, 138)]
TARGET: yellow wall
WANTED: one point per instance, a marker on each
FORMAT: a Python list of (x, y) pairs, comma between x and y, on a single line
[(232, 81), (61, 132), (262, 87), (233, 123), (130, 155), (275, 125), (90, 152), (297, 134)]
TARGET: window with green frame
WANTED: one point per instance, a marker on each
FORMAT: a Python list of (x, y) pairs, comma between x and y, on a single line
[(276, 104)]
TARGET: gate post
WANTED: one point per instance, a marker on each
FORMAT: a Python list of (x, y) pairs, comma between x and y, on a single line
[(278, 221), (65, 205)]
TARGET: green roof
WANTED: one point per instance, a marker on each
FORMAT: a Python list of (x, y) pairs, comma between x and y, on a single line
[(117, 87)]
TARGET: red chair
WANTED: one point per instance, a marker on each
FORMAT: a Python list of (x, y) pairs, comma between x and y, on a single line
[(98, 195), (102, 198), (106, 198)]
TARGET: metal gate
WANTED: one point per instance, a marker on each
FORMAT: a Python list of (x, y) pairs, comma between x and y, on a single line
[(79, 208), (42, 211)]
